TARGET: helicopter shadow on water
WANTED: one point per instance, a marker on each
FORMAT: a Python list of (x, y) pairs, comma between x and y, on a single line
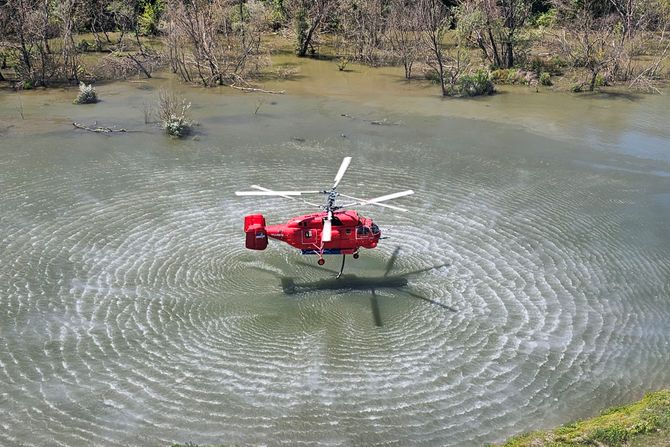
[(349, 282)]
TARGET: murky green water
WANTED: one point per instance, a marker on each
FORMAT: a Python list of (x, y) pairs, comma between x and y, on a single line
[(132, 314)]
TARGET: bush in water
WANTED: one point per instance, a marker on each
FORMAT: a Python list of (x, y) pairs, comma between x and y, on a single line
[(87, 94)]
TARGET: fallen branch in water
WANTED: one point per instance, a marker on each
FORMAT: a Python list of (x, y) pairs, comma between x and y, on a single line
[(139, 65), (98, 129), (382, 122), (257, 90)]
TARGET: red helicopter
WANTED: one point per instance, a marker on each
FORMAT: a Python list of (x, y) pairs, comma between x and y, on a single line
[(333, 231)]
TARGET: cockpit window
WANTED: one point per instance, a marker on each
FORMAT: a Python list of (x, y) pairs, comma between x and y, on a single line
[(374, 228), (363, 230)]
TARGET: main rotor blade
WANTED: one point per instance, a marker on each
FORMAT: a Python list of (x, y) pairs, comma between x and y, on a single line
[(268, 193), (287, 197), (343, 169), (364, 202), (395, 195)]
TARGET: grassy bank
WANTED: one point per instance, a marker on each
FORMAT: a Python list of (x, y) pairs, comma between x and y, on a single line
[(645, 423)]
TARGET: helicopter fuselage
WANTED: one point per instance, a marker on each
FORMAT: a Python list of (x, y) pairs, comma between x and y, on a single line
[(350, 232)]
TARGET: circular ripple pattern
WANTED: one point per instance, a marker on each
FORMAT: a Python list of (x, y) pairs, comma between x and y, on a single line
[(137, 317)]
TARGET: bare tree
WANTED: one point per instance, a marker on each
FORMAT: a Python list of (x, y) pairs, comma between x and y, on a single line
[(588, 41), (493, 26), (203, 47), (65, 12), (363, 24), (126, 17), (435, 18), (650, 34), (631, 13), (403, 33), (193, 39), (97, 19), (27, 37)]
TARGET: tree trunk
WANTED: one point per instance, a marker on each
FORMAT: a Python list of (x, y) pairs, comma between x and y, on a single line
[(594, 78), (496, 56), (444, 88), (509, 53), (308, 38), (137, 38)]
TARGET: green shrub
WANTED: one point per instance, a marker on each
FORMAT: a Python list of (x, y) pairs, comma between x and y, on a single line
[(87, 95), (537, 65), (432, 76), (611, 436), (507, 76), (546, 19), (545, 79), (558, 61), (277, 16), (475, 84), (554, 65), (645, 422), (150, 18), (83, 46)]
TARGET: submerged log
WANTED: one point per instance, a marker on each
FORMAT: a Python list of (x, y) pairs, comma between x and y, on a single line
[(98, 129), (258, 90)]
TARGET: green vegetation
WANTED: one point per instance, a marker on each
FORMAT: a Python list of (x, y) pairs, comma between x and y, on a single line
[(586, 44), (512, 76), (545, 79), (149, 20), (644, 423), (476, 84)]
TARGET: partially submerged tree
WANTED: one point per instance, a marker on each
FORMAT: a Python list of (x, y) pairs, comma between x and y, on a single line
[(27, 40), (494, 26), (452, 69), (66, 15), (403, 34), (435, 17), (308, 17), (363, 24), (588, 41), (204, 47)]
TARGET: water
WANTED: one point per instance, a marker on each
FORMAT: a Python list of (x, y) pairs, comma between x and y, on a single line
[(133, 315)]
